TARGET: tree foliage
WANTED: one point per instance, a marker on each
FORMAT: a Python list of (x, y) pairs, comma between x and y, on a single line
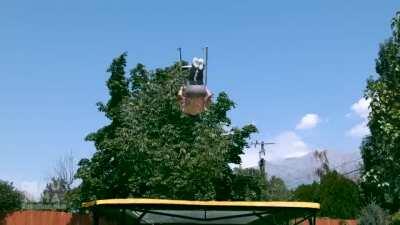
[(249, 184), (277, 190), (395, 220), (372, 214), (55, 191), (10, 198), (339, 196), (151, 149), (73, 200), (58, 188), (308, 192), (381, 150)]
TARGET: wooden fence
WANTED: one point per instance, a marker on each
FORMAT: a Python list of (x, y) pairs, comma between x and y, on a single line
[(329, 221), (31, 217)]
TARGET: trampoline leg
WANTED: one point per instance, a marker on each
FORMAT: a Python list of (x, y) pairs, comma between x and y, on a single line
[(95, 217), (312, 220), (123, 212)]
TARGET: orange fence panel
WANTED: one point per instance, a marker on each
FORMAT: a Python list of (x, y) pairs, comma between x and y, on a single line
[(30, 217), (329, 221)]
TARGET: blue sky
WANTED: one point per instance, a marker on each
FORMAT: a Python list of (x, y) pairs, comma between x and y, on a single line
[(279, 61)]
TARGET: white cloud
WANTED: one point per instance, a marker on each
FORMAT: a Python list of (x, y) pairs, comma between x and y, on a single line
[(287, 144), (358, 131), (362, 110), (308, 121)]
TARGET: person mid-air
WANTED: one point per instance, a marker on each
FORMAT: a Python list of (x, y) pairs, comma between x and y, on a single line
[(194, 97)]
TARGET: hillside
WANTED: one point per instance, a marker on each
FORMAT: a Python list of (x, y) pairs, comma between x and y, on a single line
[(300, 170)]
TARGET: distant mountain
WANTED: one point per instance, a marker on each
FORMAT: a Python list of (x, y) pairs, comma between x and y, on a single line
[(301, 170)]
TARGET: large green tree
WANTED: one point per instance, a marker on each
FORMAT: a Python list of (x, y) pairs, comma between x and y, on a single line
[(277, 190), (381, 149), (308, 192), (249, 184), (10, 198), (338, 195), (252, 184), (151, 149), (61, 183), (54, 191)]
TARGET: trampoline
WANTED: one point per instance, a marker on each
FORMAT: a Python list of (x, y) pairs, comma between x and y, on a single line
[(164, 211)]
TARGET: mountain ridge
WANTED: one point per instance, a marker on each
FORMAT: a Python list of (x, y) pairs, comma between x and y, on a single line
[(301, 170)]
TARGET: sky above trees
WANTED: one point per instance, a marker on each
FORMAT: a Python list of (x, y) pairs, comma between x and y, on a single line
[(297, 70)]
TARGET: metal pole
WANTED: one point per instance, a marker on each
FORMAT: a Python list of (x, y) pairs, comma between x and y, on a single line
[(180, 55), (123, 212), (206, 58), (180, 61), (314, 219), (180, 66)]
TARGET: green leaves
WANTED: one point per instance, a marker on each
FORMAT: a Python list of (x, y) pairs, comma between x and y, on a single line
[(10, 198), (117, 86), (381, 173), (152, 149), (339, 196), (55, 191), (308, 192), (372, 214)]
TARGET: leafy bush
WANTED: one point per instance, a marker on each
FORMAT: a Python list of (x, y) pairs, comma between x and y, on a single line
[(372, 214), (249, 184), (308, 192), (277, 190), (10, 198), (73, 200), (396, 219), (339, 195), (55, 191)]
